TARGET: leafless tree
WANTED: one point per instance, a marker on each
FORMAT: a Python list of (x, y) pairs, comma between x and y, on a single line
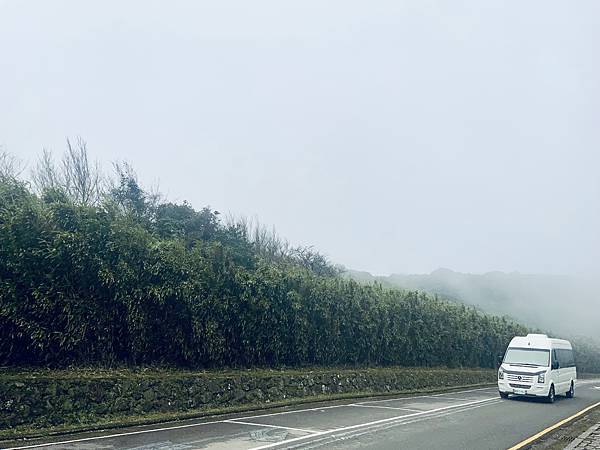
[(82, 178), (75, 175), (45, 174), (10, 166)]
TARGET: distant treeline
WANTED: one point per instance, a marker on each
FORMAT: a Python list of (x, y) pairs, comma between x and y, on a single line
[(97, 271)]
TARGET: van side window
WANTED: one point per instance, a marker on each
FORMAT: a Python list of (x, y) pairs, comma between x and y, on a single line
[(570, 361), (554, 357), (565, 357)]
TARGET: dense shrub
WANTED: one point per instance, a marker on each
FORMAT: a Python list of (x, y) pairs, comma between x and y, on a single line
[(128, 281)]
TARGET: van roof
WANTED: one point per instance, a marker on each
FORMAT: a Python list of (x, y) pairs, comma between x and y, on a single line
[(539, 341)]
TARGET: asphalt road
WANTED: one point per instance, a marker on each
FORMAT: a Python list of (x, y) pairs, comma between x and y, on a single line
[(470, 419)]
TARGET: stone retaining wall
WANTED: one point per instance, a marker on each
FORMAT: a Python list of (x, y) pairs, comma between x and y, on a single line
[(53, 399)]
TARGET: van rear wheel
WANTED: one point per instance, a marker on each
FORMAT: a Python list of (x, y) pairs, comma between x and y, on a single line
[(571, 391), (551, 395)]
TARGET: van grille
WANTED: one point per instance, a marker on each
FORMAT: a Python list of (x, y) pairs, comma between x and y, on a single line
[(519, 378), (520, 386)]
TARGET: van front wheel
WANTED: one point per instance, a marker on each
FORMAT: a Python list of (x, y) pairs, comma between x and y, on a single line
[(551, 396), (571, 391), (503, 394)]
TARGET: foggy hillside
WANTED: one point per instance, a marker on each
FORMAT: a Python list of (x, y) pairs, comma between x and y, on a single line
[(563, 304)]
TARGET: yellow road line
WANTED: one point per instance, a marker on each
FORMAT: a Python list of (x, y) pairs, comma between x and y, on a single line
[(553, 427)]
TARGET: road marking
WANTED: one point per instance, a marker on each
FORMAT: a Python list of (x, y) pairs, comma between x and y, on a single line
[(109, 436), (449, 398), (292, 412), (269, 426), (385, 407), (153, 430), (553, 427), (425, 396), (584, 382), (400, 422), (367, 424)]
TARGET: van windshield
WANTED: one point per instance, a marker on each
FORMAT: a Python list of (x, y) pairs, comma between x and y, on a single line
[(527, 357)]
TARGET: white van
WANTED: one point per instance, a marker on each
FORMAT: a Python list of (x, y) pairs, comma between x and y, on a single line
[(536, 365)]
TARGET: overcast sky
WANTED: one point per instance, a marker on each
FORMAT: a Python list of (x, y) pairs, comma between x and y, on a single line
[(393, 136)]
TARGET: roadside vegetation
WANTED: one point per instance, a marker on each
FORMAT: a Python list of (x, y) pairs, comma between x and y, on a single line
[(97, 271)]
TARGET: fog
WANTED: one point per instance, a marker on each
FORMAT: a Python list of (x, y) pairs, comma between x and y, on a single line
[(395, 137), (560, 305)]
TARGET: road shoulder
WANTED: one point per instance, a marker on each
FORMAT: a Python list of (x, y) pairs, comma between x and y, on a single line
[(566, 434)]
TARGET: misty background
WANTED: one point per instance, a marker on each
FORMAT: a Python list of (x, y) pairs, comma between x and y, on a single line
[(395, 137)]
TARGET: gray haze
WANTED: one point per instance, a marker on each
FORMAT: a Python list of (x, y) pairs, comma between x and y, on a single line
[(392, 136)]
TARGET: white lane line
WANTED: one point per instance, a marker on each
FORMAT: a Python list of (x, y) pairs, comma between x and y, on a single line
[(153, 430), (449, 398), (385, 407), (399, 422), (492, 389), (265, 425), (292, 412), (408, 422), (584, 382), (110, 436), (367, 424)]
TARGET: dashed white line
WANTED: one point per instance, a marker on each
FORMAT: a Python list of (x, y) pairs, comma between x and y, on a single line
[(385, 407), (367, 424), (292, 412), (401, 421), (110, 436), (429, 395), (449, 398), (254, 424)]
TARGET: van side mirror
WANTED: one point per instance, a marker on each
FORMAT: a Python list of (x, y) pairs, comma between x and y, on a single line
[(555, 365), (500, 358)]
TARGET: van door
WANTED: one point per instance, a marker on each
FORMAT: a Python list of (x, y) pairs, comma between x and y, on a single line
[(564, 371), (555, 373), (568, 364)]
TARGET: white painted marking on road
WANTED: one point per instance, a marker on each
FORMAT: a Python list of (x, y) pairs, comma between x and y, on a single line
[(376, 422), (110, 436), (449, 398), (293, 412), (153, 430), (384, 407), (584, 382), (254, 424), (491, 389), (402, 421)]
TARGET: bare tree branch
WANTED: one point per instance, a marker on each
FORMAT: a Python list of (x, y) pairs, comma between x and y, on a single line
[(81, 179), (45, 174), (10, 166)]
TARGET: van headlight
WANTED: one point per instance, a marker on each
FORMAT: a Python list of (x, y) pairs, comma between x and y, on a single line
[(542, 378), (501, 374)]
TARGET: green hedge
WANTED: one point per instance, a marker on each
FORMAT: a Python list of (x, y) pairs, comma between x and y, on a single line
[(128, 282), (100, 285)]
